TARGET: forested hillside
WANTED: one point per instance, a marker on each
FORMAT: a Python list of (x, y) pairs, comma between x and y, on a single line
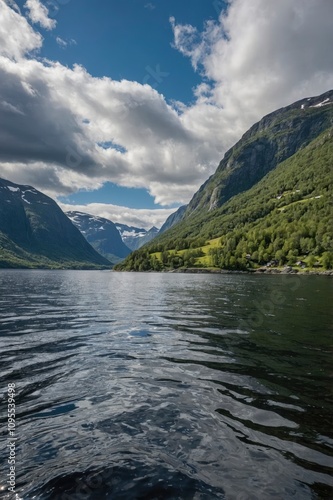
[(284, 218)]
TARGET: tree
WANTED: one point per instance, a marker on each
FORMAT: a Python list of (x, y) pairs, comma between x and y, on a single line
[(327, 260), (281, 257), (311, 261), (165, 257)]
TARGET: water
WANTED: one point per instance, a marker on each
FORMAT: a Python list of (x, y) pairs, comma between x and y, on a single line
[(168, 386)]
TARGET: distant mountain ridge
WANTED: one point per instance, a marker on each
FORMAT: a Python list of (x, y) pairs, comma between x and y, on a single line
[(35, 233), (102, 234), (135, 237)]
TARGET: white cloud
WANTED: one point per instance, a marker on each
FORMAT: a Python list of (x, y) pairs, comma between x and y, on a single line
[(150, 6), (262, 55), (64, 43), (39, 14), (191, 43), (73, 112), (144, 218), (16, 35), (61, 42), (13, 5), (58, 121)]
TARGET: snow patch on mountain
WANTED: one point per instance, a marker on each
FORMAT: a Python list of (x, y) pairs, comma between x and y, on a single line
[(323, 103)]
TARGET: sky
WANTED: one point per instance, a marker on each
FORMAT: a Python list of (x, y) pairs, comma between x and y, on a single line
[(124, 108)]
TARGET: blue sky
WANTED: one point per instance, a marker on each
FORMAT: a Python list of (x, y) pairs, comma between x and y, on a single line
[(130, 39), (123, 108)]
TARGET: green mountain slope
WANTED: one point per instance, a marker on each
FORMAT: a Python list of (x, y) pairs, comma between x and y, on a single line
[(284, 217), (35, 233), (275, 138)]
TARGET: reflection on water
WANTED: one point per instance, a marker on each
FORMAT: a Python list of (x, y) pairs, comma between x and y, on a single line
[(153, 386)]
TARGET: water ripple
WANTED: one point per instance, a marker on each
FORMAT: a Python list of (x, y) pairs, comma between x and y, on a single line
[(141, 386)]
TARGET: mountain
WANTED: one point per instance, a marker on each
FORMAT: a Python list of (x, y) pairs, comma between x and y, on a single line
[(269, 142), (149, 236), (173, 219), (102, 234), (135, 237), (35, 233), (269, 201)]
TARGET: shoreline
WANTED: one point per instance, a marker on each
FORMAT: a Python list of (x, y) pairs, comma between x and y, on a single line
[(258, 271)]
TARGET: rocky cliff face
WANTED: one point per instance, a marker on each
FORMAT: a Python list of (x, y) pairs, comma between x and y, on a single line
[(173, 219), (269, 142), (34, 232)]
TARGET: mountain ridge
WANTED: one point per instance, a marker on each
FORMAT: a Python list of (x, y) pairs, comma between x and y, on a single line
[(135, 237), (256, 146), (101, 233)]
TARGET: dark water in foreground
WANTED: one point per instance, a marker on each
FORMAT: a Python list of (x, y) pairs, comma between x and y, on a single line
[(168, 386)]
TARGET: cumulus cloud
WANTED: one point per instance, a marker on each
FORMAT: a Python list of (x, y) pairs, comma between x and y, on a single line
[(63, 129), (74, 115), (144, 218), (261, 55), (39, 14), (13, 5), (191, 43), (16, 35)]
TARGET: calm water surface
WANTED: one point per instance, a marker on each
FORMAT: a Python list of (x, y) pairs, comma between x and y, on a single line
[(168, 386)]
